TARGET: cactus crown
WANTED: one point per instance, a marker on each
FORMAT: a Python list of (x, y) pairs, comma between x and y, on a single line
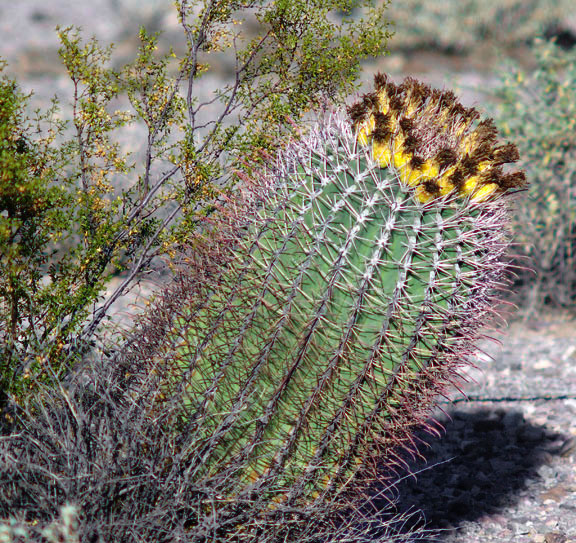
[(437, 144)]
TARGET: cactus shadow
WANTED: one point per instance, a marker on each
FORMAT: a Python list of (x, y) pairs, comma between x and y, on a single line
[(480, 464)]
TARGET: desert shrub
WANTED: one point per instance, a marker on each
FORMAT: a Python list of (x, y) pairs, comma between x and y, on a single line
[(462, 25), (537, 110), (75, 208), (33, 211)]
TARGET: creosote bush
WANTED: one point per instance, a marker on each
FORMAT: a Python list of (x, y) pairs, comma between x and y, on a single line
[(34, 213), (76, 209), (537, 110)]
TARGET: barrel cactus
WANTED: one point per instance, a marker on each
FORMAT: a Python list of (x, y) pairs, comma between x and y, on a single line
[(324, 306)]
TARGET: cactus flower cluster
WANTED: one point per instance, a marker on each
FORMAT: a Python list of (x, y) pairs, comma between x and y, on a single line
[(435, 143)]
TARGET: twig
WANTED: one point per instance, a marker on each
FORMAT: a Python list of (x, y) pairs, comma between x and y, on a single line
[(489, 399)]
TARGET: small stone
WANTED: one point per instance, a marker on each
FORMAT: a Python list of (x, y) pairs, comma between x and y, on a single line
[(568, 447), (460, 507), (571, 351), (497, 520), (554, 494), (555, 537), (546, 472), (487, 425), (531, 434), (542, 456), (513, 419), (469, 445), (542, 364)]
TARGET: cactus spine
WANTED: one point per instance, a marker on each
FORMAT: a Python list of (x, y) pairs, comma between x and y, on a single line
[(355, 282)]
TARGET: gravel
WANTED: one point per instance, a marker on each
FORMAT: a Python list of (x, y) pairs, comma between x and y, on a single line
[(504, 467)]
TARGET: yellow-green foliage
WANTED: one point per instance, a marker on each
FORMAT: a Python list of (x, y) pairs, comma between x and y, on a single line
[(462, 25), (33, 218), (537, 110)]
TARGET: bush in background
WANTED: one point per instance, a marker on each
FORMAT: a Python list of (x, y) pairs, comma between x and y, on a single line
[(462, 25), (537, 110)]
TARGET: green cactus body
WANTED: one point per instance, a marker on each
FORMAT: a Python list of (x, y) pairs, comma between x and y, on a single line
[(349, 302)]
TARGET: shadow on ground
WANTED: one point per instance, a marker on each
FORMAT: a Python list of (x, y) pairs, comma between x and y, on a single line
[(480, 464)]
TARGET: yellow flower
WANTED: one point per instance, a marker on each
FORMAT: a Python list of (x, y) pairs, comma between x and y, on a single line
[(437, 145)]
